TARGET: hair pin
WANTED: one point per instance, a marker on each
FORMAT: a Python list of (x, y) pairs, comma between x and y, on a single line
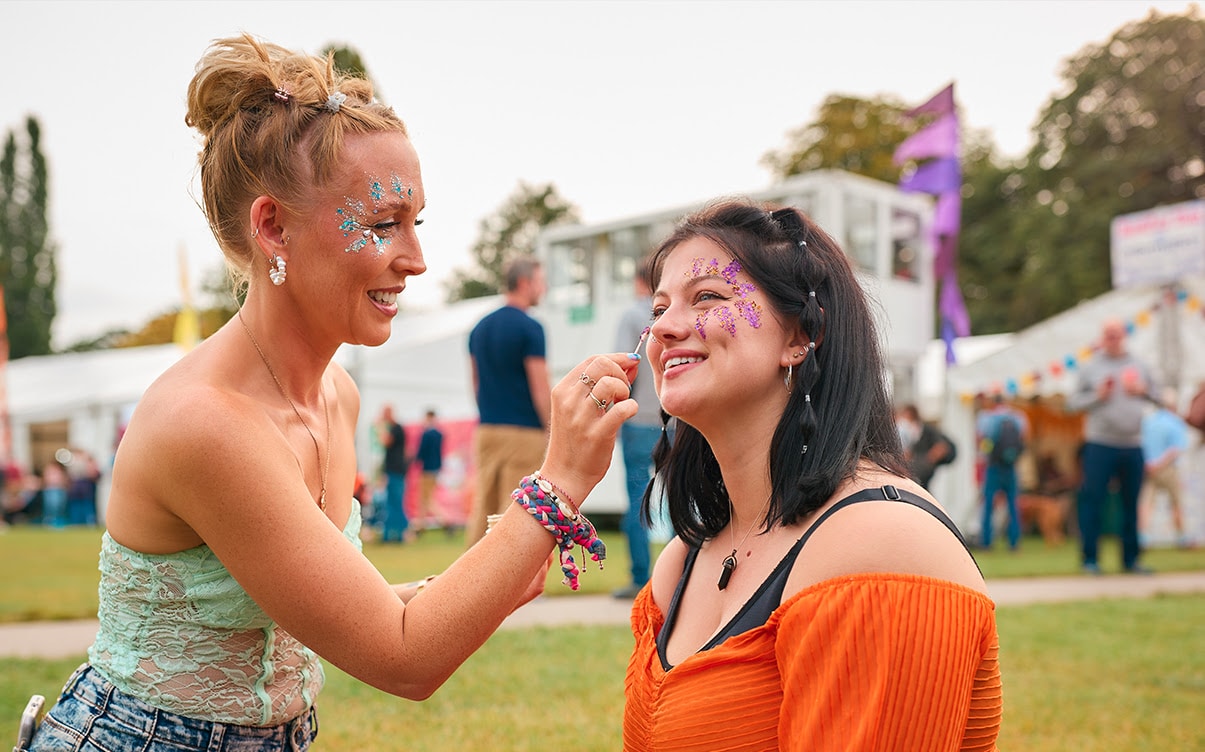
[(282, 94), (335, 101)]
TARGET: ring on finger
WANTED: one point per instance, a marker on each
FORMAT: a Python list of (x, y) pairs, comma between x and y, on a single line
[(602, 405), (585, 379)]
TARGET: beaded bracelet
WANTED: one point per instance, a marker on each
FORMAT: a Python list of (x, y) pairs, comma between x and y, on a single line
[(550, 487), (567, 527)]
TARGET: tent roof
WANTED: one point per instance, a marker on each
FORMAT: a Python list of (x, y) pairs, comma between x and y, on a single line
[(52, 387), (1042, 359)]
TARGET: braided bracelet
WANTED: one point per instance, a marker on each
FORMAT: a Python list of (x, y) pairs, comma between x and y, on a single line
[(567, 527)]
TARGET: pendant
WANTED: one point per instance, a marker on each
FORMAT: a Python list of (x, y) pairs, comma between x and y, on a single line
[(729, 567)]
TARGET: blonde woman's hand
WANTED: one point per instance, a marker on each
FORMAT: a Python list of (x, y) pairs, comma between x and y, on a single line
[(588, 407)]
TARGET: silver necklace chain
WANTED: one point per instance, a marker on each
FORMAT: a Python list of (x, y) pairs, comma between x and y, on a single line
[(325, 411)]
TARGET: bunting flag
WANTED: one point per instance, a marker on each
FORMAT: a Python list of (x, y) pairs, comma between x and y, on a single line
[(941, 177), (1025, 383)]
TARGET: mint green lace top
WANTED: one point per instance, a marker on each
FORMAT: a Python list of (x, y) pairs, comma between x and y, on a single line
[(178, 632)]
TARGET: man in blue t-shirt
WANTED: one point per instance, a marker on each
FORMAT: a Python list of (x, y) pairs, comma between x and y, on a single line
[(510, 382), (430, 456)]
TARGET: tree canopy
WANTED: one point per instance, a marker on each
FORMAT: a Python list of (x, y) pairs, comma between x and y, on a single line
[(1125, 133), (28, 270), (509, 232), (851, 134)]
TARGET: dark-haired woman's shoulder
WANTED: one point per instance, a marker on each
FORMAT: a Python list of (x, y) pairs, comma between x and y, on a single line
[(884, 537), (667, 571)]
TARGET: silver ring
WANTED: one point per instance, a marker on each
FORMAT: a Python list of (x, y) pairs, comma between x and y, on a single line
[(602, 405), (585, 379)]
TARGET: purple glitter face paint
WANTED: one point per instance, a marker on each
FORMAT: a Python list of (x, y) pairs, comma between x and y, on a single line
[(353, 226), (747, 309)]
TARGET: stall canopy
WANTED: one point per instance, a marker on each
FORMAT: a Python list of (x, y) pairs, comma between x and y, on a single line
[(1167, 331)]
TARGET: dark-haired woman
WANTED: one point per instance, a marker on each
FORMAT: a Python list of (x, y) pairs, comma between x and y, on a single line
[(815, 598)]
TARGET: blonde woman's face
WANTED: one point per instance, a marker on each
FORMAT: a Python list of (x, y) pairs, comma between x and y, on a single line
[(361, 237)]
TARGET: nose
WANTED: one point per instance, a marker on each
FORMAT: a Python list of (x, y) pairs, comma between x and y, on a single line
[(671, 326), (409, 257)]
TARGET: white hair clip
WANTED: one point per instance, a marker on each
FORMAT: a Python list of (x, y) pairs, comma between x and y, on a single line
[(335, 101)]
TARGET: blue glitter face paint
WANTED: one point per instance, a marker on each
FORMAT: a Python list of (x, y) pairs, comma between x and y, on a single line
[(351, 216), (746, 309)]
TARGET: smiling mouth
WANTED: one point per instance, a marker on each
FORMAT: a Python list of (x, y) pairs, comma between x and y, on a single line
[(675, 362), (382, 297)]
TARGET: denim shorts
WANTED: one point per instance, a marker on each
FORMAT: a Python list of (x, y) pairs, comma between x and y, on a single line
[(92, 715)]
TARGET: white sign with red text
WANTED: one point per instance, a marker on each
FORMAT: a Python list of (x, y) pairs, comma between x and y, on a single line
[(1158, 245)]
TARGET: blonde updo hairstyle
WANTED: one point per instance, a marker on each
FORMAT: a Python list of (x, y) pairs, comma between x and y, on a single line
[(267, 130)]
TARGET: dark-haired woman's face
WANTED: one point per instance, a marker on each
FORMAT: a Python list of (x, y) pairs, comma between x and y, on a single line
[(716, 346), (363, 234)]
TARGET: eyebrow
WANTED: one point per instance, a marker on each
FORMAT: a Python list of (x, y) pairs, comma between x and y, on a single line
[(694, 282)]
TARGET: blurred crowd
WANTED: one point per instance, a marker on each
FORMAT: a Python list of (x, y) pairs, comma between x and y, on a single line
[(61, 494)]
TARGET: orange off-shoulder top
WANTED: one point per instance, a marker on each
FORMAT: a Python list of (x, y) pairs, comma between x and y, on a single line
[(872, 662)]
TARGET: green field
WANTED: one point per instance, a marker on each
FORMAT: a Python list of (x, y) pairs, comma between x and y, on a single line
[(1112, 675)]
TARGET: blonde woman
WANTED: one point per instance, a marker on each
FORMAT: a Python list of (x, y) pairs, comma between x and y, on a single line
[(231, 559)]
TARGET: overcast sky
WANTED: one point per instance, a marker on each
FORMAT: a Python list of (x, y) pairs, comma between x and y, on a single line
[(627, 107)]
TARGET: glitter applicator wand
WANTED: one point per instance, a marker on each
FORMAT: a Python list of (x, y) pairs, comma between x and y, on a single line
[(643, 336)]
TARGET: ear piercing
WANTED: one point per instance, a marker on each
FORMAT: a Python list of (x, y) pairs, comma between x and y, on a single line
[(276, 270)]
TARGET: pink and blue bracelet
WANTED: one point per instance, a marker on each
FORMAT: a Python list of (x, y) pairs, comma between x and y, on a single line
[(568, 527)]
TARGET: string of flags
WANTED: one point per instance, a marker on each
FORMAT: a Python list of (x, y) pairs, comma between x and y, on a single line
[(1026, 382)]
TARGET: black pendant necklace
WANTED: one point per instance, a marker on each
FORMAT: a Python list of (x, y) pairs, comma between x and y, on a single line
[(729, 563), (726, 572)]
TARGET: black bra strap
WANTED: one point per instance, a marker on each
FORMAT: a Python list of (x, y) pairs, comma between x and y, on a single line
[(768, 597)]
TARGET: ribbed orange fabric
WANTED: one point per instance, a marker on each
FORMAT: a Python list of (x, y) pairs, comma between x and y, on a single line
[(883, 662)]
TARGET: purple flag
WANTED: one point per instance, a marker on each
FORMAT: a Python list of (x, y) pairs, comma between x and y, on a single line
[(938, 139), (948, 336), (951, 305), (946, 252), (947, 217), (941, 103), (937, 176)]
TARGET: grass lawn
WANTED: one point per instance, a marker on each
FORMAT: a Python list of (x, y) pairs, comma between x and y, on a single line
[(1117, 675), (1108, 675), (57, 568)]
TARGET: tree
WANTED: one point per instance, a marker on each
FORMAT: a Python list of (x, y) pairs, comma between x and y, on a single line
[(28, 270), (348, 61), (1125, 135), (509, 233), (851, 134)]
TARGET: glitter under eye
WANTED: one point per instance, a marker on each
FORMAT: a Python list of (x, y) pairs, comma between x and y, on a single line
[(750, 311)]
